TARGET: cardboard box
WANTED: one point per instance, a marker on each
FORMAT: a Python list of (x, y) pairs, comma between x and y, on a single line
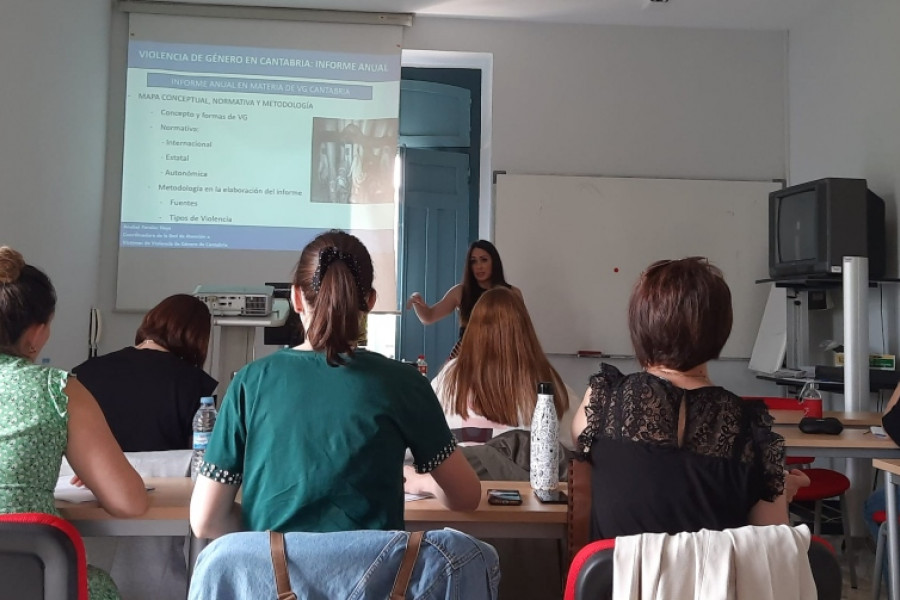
[(882, 362)]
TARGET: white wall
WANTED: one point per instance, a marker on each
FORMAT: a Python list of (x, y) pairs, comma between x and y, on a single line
[(567, 100), (630, 101), (627, 101), (53, 68), (844, 97)]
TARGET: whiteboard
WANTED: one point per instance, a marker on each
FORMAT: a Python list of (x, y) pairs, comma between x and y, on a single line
[(576, 245)]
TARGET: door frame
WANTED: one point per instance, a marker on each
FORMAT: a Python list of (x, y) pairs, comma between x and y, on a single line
[(483, 61)]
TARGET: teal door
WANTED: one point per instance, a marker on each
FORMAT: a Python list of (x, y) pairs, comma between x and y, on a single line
[(434, 225)]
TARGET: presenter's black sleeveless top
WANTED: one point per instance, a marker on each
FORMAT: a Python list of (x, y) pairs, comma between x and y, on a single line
[(643, 482)]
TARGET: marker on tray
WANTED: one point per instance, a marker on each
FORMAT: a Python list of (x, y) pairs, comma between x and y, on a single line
[(591, 354)]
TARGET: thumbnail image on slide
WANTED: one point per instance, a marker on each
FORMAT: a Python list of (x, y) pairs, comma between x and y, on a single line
[(353, 160)]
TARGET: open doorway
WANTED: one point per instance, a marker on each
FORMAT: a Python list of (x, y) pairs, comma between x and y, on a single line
[(434, 230)]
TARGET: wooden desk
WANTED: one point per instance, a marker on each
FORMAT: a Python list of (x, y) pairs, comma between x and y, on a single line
[(849, 419), (168, 514), (531, 519), (891, 470), (850, 443)]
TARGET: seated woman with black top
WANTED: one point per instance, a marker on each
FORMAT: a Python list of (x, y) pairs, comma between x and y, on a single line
[(149, 392), (670, 450)]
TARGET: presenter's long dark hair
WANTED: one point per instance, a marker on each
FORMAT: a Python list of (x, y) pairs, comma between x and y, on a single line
[(470, 291), (334, 274)]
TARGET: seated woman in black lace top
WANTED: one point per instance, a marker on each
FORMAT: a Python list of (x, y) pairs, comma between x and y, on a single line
[(671, 451)]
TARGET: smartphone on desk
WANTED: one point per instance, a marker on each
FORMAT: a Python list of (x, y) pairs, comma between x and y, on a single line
[(551, 496), (504, 497)]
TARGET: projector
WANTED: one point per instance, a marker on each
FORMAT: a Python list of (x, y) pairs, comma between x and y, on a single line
[(236, 300)]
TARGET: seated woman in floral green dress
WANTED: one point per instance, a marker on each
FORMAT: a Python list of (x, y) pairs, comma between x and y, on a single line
[(44, 414)]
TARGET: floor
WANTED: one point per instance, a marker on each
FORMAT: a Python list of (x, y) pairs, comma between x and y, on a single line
[(865, 557)]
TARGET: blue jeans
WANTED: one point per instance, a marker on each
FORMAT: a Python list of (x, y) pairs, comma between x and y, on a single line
[(878, 501), (356, 565)]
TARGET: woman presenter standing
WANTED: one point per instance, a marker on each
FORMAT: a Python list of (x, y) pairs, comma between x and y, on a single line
[(483, 271)]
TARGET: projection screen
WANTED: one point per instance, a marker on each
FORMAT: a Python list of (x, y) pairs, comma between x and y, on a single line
[(246, 138)]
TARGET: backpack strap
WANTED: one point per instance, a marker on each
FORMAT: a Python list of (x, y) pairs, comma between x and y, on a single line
[(404, 574), (279, 565)]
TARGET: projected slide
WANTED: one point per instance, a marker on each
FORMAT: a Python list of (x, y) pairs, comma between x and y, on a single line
[(243, 140), (237, 148)]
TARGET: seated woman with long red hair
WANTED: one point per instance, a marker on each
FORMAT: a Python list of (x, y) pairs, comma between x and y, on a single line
[(492, 384)]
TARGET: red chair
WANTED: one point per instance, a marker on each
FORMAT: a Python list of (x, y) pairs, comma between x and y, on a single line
[(41, 557), (591, 572), (824, 483)]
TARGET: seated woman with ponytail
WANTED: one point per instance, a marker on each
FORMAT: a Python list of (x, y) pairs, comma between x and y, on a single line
[(317, 434)]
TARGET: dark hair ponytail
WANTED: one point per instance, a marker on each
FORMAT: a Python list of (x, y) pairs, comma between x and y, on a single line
[(26, 298), (334, 274)]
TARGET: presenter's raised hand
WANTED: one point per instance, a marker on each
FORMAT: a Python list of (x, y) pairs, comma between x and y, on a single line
[(415, 300)]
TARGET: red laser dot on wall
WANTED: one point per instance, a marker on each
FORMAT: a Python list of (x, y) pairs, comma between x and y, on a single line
[(616, 270)]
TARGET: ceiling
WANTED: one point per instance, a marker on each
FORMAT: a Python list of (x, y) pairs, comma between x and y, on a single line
[(722, 14)]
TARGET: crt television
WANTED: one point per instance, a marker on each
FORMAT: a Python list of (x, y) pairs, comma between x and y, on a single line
[(813, 225)]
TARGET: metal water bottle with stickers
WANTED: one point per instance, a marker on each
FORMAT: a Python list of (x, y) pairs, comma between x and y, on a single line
[(544, 471)]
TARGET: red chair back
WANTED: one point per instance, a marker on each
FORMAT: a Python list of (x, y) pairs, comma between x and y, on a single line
[(50, 542), (590, 573)]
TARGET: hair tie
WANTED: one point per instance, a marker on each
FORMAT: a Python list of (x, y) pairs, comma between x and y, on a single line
[(327, 256)]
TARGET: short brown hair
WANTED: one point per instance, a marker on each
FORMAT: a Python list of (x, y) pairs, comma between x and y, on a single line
[(180, 324), (334, 274), (679, 314)]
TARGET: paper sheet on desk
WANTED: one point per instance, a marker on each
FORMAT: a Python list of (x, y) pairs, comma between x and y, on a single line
[(412, 497), (67, 492), (166, 463), (878, 431), (70, 493)]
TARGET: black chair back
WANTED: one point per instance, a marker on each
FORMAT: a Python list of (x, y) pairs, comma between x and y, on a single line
[(37, 562)]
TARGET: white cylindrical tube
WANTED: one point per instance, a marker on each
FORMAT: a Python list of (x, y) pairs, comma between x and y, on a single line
[(856, 333), (856, 376)]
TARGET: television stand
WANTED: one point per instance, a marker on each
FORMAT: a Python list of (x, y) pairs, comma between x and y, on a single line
[(831, 379), (818, 282)]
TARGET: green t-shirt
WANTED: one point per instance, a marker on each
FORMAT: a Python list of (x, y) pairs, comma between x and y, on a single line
[(321, 448)]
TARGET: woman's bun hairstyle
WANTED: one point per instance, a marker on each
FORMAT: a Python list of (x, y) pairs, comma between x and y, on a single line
[(11, 264), (26, 298)]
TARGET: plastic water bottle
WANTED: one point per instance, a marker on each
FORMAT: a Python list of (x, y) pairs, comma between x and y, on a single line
[(203, 423), (544, 471), (422, 365)]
